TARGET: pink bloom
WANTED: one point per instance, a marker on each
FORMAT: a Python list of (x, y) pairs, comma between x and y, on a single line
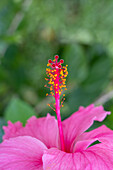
[(37, 145), (47, 143)]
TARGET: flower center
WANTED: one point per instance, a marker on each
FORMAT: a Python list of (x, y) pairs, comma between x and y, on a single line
[(56, 79)]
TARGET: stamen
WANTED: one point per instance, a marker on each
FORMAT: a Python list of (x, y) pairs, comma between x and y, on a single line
[(57, 79), (51, 107)]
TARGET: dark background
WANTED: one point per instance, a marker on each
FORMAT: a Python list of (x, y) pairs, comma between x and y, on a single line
[(31, 32)]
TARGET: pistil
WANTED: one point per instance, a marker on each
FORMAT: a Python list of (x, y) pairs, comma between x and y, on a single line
[(57, 75)]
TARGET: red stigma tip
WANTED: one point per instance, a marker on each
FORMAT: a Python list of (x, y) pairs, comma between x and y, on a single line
[(49, 61), (53, 65), (59, 66), (56, 57), (61, 61)]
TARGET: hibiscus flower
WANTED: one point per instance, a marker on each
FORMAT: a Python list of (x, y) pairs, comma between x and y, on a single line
[(37, 146), (46, 143)]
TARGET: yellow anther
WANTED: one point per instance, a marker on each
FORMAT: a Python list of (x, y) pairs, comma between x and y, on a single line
[(66, 73), (63, 85), (55, 75), (61, 73), (52, 93), (46, 94), (51, 88), (60, 86)]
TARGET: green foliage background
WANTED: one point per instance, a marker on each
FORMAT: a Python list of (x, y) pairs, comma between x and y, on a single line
[(31, 32)]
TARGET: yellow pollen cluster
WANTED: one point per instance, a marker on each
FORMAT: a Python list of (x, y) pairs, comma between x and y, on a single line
[(56, 79), (51, 74), (63, 75), (60, 86)]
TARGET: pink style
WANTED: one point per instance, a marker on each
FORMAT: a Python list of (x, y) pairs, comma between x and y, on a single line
[(49, 144)]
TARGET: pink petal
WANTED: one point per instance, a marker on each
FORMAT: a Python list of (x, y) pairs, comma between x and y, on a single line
[(44, 129), (13, 130), (103, 154), (80, 121), (21, 153), (83, 145), (95, 158), (102, 134)]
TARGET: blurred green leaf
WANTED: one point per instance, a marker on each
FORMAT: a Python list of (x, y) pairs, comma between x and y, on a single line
[(99, 69), (2, 122), (109, 119), (77, 64), (18, 110), (97, 78), (31, 32)]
